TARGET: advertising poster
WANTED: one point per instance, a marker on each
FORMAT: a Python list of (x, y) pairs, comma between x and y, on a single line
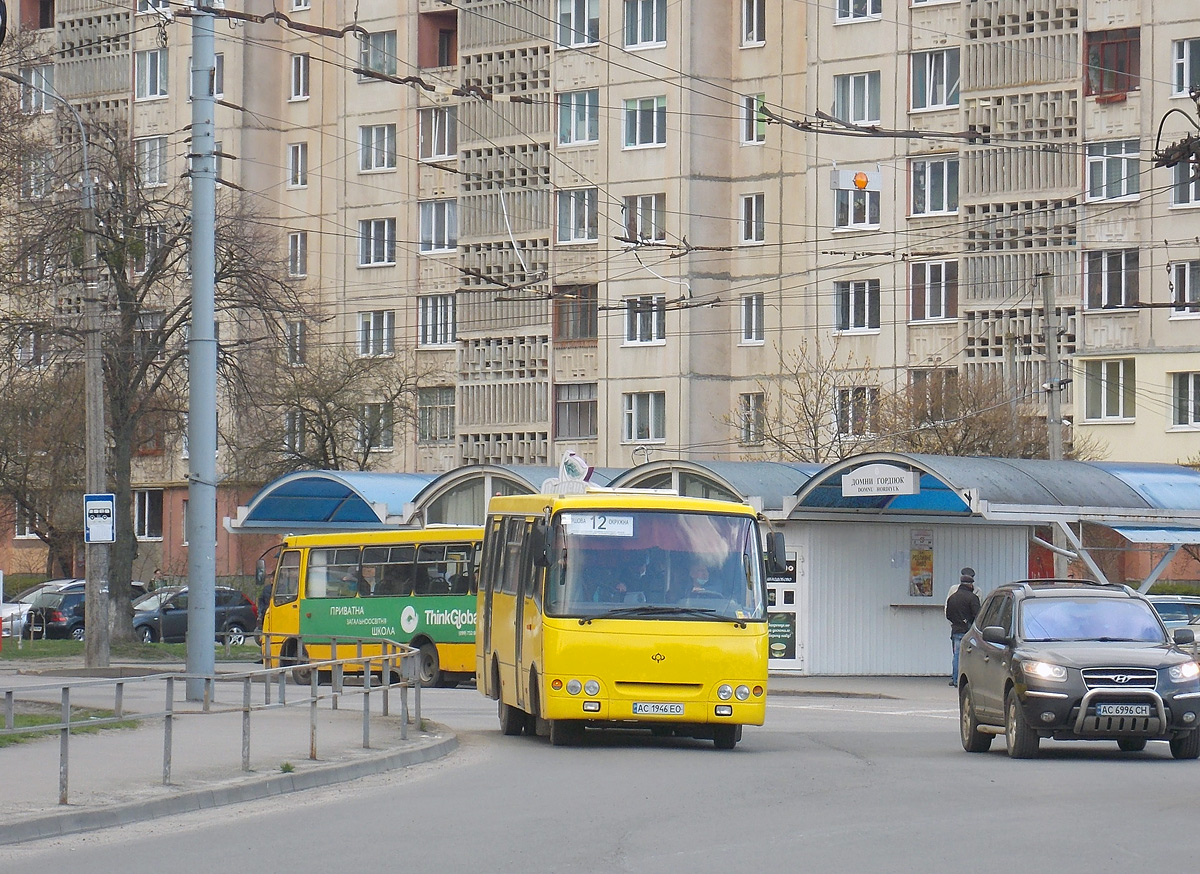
[(920, 564), (781, 635)]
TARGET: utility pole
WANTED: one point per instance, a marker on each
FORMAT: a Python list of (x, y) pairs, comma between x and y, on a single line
[(202, 367), (1054, 382)]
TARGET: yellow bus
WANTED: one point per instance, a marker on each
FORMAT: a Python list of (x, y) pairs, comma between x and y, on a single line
[(624, 609), (411, 586)]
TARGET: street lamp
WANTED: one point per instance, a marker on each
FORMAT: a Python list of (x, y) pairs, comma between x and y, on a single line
[(96, 645)]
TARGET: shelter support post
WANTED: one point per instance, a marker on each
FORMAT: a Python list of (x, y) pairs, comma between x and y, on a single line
[(1159, 568), (1065, 528)]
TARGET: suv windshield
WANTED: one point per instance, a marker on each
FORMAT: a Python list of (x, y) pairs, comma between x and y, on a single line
[(1089, 619)]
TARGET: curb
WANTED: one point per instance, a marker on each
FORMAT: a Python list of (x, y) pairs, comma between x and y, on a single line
[(75, 821)]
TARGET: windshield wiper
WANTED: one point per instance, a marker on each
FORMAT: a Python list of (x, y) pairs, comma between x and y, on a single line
[(663, 610)]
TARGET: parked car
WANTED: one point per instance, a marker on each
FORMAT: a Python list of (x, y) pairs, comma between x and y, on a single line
[(1075, 660), (55, 613), (12, 613), (163, 615), (1177, 611)]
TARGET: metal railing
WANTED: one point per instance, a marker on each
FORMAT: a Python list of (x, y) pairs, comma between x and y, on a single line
[(395, 659)]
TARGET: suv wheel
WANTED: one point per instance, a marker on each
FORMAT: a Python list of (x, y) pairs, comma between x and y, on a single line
[(1020, 738), (1131, 744), (1186, 746), (973, 740)]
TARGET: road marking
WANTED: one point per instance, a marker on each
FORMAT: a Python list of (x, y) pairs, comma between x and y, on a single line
[(939, 713)]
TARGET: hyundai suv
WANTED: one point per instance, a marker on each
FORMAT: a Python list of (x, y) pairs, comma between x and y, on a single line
[(1074, 660)]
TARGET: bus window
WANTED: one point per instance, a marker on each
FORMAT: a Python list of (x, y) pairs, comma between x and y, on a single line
[(332, 573), (287, 578), (390, 568), (514, 550)]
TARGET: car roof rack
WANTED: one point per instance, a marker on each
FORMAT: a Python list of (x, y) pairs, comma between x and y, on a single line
[(1030, 587)]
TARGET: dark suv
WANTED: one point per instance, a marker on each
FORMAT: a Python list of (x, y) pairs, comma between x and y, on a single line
[(1073, 660), (163, 616)]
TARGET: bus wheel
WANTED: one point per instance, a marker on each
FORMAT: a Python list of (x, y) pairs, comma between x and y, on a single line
[(428, 667), (565, 732), (512, 719), (725, 737)]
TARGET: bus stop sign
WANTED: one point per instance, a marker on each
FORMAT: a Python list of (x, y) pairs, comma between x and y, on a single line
[(99, 518)]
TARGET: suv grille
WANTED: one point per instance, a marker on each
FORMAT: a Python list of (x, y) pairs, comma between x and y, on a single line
[(1120, 678)]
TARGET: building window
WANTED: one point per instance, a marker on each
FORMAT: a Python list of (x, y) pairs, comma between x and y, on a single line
[(579, 117), (152, 5), (578, 22), (1185, 189), (376, 242), (754, 121), (576, 312), (148, 514), (150, 74), (754, 22), (435, 414), (1185, 288), (31, 348), (439, 225), (859, 10), (297, 167), (1112, 170), (300, 68), (218, 76), (577, 216), (754, 219), (933, 395), (374, 427), (28, 523), (1113, 61), (435, 320), (853, 208), (645, 319), (645, 23), (934, 290), (298, 253), (645, 122), (645, 218), (857, 408), (377, 52), (301, 4), (575, 411), (1187, 399), (38, 84), (934, 186), (36, 175), (376, 332), (293, 432), (856, 97), (151, 156), (1109, 388), (752, 318), (439, 132), (645, 417), (149, 242), (935, 79), (1186, 53), (376, 147), (1111, 278), (857, 305), (751, 418), (297, 343)]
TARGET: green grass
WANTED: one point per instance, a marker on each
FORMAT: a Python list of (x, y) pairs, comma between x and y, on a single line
[(135, 651), (32, 715)]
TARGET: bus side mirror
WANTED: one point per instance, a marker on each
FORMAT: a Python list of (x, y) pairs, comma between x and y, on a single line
[(539, 538), (776, 554), (260, 572)]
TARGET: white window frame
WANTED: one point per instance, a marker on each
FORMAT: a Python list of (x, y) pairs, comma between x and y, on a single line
[(438, 133), (438, 226), (1185, 66), (579, 117), (645, 124), (297, 165), (297, 343), (1185, 191), (298, 253), (436, 325), (753, 219), (752, 416), (753, 332), (37, 175), (376, 333), (856, 411), (1185, 289), (645, 24), (152, 237), (294, 432), (1110, 278), (644, 417), (578, 23), (578, 217), (150, 153), (25, 523), (938, 289), (935, 80), (435, 414), (297, 5), (1110, 387), (376, 148), (376, 242), (857, 10), (371, 415), (646, 217), (576, 411), (856, 97), (377, 52), (218, 76), (646, 320), (754, 121), (934, 187), (856, 306), (1113, 170), (145, 6), (855, 210), (38, 85), (301, 70), (147, 505), (754, 24), (150, 74), (1185, 401)]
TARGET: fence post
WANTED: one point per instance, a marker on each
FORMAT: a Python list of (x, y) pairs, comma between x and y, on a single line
[(336, 674), (119, 703), (246, 690), (168, 726), (403, 702), (366, 702), (9, 709), (312, 715), (387, 679), (64, 744)]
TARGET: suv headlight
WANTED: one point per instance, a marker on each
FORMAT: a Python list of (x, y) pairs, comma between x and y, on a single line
[(1186, 671), (1044, 671)]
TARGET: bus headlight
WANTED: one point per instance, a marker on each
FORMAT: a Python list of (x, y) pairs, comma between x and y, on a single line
[(574, 687), (724, 691), (742, 693), (591, 687)]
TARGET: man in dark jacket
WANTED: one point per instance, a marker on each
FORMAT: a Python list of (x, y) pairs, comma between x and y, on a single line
[(961, 609)]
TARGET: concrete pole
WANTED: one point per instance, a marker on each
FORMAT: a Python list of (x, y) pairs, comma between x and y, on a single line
[(1053, 386), (202, 369)]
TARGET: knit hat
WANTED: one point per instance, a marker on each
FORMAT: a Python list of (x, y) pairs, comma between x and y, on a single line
[(967, 576)]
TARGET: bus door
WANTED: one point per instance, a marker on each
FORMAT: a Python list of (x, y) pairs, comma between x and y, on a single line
[(506, 612), (529, 618), (489, 579), (283, 610)]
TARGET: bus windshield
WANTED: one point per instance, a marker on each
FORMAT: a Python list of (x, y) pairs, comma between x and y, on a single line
[(649, 564)]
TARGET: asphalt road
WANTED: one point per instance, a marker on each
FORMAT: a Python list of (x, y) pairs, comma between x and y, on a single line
[(840, 785)]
